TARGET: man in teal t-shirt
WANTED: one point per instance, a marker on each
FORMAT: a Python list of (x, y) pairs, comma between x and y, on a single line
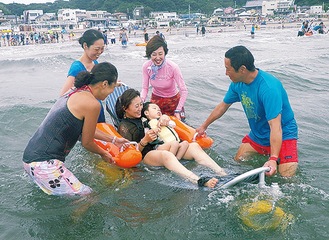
[(273, 128)]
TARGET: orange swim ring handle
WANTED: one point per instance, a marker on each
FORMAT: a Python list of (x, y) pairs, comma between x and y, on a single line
[(186, 132), (125, 158)]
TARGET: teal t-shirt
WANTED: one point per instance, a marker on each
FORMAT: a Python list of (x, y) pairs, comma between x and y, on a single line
[(262, 100)]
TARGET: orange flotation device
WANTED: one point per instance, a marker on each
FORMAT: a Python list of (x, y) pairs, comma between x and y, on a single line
[(127, 158), (310, 33), (141, 44), (186, 132)]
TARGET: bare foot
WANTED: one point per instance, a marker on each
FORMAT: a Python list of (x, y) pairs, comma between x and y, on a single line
[(211, 183)]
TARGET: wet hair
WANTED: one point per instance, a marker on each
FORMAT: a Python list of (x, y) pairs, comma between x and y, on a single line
[(145, 108), (124, 101), (90, 37), (99, 73), (240, 55), (154, 43)]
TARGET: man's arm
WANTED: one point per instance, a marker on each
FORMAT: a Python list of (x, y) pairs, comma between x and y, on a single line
[(275, 143), (218, 111)]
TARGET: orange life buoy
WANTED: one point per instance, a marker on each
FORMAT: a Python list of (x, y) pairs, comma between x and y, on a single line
[(186, 132), (310, 33), (141, 44), (127, 158)]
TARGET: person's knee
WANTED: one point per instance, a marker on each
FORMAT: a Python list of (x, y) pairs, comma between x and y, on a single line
[(184, 144), (194, 145), (166, 155), (174, 144)]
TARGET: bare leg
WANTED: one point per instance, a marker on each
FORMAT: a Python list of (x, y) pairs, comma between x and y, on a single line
[(196, 152), (285, 170), (288, 169), (169, 161), (170, 146), (244, 151), (182, 148)]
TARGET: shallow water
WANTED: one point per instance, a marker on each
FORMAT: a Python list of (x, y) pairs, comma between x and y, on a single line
[(145, 203)]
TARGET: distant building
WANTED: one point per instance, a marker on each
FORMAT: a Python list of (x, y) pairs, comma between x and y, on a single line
[(316, 10), (163, 19), (46, 17), (138, 13), (96, 19), (29, 16), (71, 15), (96, 14), (269, 8), (284, 7), (164, 16), (218, 12), (254, 5), (3, 20)]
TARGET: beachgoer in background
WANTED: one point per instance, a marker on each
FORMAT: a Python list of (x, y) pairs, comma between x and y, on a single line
[(129, 109), (123, 37), (169, 91), (161, 35), (273, 128), (74, 115), (252, 32), (146, 36), (112, 37), (319, 28), (105, 37), (303, 29), (203, 30), (168, 138)]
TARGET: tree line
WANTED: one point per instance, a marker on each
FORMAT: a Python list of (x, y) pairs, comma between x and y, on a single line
[(127, 6)]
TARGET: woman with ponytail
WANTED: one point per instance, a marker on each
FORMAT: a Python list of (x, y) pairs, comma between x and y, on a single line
[(74, 115)]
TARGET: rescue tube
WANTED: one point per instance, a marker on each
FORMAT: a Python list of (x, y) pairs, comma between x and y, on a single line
[(186, 132), (263, 215), (309, 33), (127, 158), (141, 44)]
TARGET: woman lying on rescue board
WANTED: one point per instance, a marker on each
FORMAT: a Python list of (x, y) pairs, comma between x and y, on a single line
[(129, 109)]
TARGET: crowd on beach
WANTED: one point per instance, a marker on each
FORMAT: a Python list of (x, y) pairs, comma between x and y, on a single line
[(28, 38), (112, 36)]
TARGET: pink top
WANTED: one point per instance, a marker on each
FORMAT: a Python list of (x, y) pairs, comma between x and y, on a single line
[(168, 82)]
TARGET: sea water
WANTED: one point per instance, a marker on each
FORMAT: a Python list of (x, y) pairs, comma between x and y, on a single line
[(143, 203)]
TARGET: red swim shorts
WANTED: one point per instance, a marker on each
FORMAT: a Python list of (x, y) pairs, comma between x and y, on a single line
[(288, 152)]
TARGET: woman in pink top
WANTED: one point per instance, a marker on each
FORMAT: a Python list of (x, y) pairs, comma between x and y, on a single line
[(169, 91)]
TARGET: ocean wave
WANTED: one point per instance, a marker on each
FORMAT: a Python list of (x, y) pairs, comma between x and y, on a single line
[(52, 61)]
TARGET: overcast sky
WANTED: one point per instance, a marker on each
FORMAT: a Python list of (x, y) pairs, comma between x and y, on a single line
[(25, 1)]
